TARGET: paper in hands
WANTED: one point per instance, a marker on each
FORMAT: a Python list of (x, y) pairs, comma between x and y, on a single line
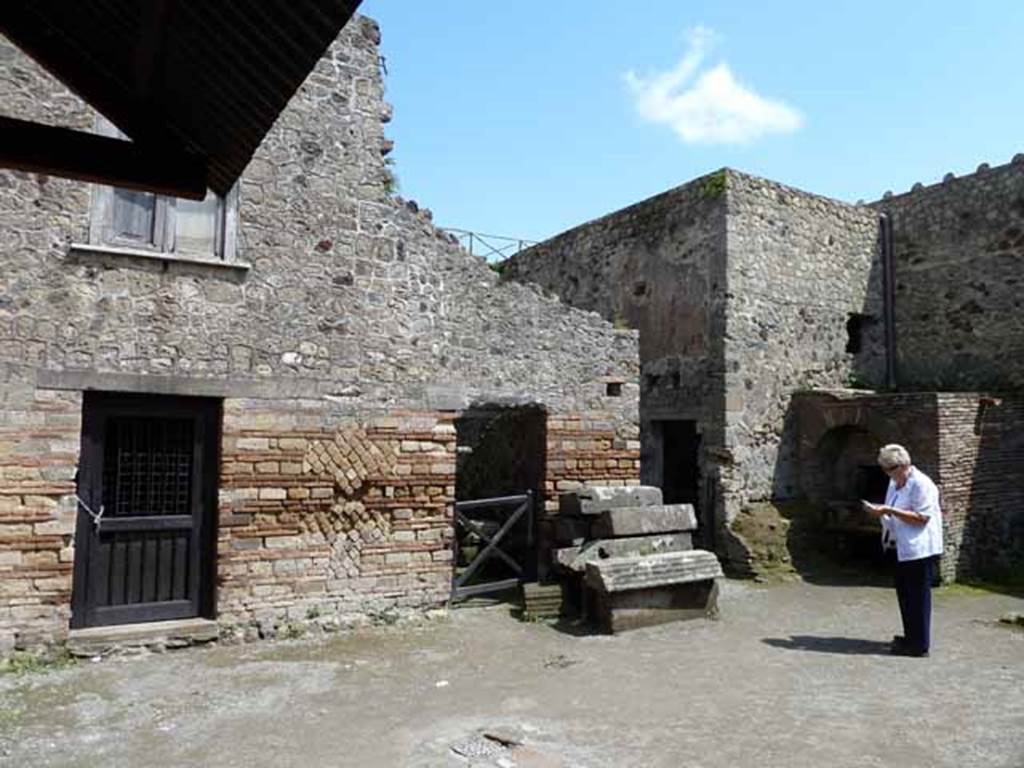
[(870, 508)]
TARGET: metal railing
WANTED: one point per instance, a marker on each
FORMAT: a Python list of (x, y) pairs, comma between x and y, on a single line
[(517, 508), (491, 247)]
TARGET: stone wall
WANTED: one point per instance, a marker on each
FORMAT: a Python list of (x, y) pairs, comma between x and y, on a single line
[(959, 258), (800, 267), (345, 308), (743, 292), (657, 266)]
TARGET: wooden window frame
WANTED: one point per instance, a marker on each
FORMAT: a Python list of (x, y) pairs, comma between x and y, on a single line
[(162, 242)]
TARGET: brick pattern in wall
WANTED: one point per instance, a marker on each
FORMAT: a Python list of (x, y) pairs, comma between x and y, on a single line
[(348, 519), (39, 439)]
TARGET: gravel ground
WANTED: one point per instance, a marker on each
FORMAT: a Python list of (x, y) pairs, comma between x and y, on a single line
[(791, 675)]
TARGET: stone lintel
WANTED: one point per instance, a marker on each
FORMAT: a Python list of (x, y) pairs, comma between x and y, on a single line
[(642, 521), (620, 574), (595, 499)]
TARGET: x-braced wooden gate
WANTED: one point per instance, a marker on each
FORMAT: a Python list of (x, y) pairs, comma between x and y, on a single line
[(519, 509)]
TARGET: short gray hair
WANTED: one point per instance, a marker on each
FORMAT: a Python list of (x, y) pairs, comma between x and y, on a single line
[(892, 456)]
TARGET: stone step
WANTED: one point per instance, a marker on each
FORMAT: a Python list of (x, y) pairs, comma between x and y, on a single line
[(620, 574), (642, 521), (595, 499), (180, 632), (576, 558), (543, 600)]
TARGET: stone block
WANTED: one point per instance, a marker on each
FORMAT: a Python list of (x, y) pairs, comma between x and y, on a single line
[(620, 611), (55, 528), (595, 499), (10, 557), (252, 443), (99, 640), (576, 558), (642, 521), (283, 542), (623, 574)]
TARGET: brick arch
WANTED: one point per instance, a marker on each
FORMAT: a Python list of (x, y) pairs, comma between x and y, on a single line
[(842, 460), (838, 446), (860, 417)]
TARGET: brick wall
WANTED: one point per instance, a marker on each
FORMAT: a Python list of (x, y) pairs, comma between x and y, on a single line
[(39, 435), (983, 497), (588, 448), (349, 519)]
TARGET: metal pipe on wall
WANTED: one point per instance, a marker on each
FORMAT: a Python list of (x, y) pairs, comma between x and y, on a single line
[(888, 298)]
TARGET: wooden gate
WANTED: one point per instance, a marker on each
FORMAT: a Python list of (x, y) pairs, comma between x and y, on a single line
[(517, 512), (147, 489)]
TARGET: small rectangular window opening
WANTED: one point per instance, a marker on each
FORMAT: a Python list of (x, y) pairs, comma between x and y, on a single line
[(855, 324), (613, 389)]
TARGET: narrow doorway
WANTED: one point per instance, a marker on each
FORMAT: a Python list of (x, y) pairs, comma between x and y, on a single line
[(671, 461), (501, 452), (147, 485)]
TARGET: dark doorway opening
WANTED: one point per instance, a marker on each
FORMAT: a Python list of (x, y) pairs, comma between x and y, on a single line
[(501, 452), (680, 448), (147, 487), (671, 461)]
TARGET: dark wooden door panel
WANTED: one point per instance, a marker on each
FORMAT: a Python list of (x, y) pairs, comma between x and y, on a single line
[(147, 465)]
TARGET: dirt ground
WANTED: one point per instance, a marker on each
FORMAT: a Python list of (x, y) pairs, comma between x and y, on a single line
[(791, 675)]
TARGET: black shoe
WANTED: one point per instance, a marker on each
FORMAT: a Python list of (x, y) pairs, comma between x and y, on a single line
[(899, 642), (904, 650)]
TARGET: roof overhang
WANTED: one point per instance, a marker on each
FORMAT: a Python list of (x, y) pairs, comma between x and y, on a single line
[(194, 85)]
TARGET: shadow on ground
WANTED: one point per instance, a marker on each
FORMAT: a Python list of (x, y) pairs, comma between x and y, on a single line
[(842, 645)]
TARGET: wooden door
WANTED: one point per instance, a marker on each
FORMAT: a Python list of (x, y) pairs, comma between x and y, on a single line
[(147, 484)]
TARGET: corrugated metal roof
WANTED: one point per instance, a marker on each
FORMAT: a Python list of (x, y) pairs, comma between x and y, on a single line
[(204, 77)]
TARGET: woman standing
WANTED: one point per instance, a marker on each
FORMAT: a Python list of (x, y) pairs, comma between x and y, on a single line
[(913, 520)]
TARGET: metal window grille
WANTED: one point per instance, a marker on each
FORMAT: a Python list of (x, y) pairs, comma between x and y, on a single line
[(148, 466)]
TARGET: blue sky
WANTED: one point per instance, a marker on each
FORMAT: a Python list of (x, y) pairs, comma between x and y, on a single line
[(527, 118)]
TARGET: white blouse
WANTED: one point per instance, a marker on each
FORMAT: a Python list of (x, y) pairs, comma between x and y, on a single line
[(920, 495)]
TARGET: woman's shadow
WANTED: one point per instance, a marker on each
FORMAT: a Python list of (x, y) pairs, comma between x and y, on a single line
[(844, 645)]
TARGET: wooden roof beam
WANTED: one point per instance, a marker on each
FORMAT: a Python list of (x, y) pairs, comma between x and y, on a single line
[(36, 148)]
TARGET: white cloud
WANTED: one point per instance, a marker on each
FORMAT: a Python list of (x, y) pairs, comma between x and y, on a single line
[(709, 106)]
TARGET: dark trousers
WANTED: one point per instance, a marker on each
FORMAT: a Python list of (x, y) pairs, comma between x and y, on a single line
[(914, 592)]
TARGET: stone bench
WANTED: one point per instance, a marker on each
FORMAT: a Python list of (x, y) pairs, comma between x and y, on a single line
[(629, 592)]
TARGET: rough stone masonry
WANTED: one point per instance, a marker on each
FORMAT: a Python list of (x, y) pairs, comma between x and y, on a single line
[(342, 341), (747, 292)]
